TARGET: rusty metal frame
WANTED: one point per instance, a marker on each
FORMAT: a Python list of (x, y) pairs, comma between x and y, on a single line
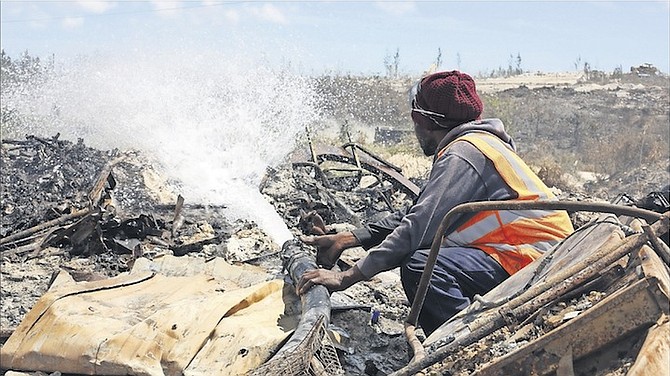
[(317, 170), (370, 166), (365, 162), (374, 156)]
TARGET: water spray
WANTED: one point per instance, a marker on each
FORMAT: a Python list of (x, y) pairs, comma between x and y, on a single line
[(211, 123)]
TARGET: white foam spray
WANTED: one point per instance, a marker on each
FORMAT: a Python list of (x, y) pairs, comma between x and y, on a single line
[(213, 122)]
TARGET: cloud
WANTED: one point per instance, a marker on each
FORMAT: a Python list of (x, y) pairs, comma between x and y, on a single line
[(97, 7), (396, 8), (232, 16), (270, 13), (166, 8), (72, 22)]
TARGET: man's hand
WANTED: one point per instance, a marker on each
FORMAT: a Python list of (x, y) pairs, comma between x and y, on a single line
[(330, 247), (334, 281), (313, 222)]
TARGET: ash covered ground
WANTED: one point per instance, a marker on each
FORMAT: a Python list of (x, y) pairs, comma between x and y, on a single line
[(45, 178)]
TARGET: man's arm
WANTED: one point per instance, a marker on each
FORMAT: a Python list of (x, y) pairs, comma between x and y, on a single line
[(454, 179), (330, 247), (374, 233)]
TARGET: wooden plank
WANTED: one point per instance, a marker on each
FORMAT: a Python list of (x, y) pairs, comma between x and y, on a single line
[(654, 357), (653, 266)]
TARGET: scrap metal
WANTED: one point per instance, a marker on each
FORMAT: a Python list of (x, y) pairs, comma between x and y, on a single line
[(98, 199), (365, 162), (537, 295), (636, 307)]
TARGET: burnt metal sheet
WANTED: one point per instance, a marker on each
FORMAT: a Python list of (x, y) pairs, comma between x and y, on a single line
[(654, 356), (172, 315)]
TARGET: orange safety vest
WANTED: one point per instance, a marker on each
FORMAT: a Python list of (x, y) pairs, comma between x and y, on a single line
[(514, 238)]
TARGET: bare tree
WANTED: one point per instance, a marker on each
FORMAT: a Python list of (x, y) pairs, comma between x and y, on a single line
[(396, 62), (518, 69), (438, 60), (510, 70), (391, 63)]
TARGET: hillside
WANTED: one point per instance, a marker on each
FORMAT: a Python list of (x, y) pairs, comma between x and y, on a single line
[(605, 135)]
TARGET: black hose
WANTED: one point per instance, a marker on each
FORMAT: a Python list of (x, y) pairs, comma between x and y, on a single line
[(297, 259)]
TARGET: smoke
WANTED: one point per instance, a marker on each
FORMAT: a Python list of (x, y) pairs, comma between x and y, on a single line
[(214, 123)]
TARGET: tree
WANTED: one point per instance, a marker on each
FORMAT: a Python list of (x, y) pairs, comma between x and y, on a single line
[(6, 68), (587, 70), (5, 61), (438, 60), (391, 63), (518, 69)]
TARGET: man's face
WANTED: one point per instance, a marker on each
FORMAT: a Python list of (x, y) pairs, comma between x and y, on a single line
[(425, 137)]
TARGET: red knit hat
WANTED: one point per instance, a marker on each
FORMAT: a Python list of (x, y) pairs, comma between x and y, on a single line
[(452, 94)]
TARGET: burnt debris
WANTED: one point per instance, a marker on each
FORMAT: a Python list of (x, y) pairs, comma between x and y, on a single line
[(56, 193)]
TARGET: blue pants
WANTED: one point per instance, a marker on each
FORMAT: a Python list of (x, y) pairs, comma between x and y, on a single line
[(459, 274)]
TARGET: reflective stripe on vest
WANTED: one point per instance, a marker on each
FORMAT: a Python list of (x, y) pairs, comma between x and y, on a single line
[(513, 237)]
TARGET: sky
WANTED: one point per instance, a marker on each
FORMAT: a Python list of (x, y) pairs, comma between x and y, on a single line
[(353, 37)]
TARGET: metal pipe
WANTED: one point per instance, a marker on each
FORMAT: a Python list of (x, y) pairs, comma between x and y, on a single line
[(312, 154), (374, 156), (353, 151), (411, 321)]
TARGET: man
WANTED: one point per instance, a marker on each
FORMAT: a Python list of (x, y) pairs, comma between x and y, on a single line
[(474, 160)]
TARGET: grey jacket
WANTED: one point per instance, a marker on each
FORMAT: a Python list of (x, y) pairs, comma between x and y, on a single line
[(461, 174)]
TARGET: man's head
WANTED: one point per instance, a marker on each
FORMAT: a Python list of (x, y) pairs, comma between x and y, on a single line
[(440, 102)]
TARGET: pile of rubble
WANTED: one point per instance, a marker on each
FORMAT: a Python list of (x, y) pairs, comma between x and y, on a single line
[(93, 214)]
